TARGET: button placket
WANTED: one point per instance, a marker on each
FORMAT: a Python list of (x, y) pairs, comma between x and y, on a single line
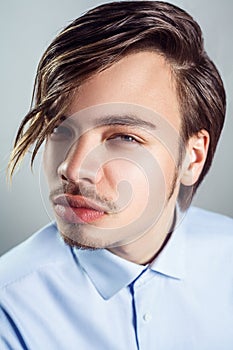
[(145, 307)]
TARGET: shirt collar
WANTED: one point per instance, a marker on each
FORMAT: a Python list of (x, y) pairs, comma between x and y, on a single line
[(110, 273), (107, 271)]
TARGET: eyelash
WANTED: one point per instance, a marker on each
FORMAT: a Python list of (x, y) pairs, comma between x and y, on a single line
[(123, 138)]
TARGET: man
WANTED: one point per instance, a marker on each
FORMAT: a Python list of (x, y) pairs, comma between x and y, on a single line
[(131, 109)]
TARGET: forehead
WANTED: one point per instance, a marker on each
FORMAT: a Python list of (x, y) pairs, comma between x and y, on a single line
[(142, 78)]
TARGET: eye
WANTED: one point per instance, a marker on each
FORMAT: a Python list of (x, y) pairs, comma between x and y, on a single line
[(127, 138), (61, 132), (124, 138), (123, 141)]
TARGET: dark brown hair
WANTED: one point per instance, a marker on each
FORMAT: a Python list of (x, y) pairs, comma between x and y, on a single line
[(103, 36)]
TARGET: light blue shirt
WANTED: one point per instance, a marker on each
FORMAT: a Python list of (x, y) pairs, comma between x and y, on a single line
[(54, 297)]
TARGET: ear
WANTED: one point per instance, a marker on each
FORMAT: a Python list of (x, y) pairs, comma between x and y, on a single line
[(196, 153)]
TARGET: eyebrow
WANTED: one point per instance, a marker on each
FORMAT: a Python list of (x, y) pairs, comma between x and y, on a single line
[(125, 120)]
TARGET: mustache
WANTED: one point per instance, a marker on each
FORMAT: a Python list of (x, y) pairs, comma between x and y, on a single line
[(85, 192)]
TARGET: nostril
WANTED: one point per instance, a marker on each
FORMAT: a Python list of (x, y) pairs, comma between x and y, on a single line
[(63, 177)]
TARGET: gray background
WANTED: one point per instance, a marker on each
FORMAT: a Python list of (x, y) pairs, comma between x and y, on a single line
[(26, 29)]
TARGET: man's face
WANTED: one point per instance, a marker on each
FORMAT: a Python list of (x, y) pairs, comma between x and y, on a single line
[(111, 164)]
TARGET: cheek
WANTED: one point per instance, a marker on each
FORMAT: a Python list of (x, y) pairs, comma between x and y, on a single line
[(168, 167), (140, 188), (120, 171), (146, 178), (134, 183), (128, 184)]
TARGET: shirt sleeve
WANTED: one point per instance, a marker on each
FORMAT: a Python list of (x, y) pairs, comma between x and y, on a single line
[(10, 336)]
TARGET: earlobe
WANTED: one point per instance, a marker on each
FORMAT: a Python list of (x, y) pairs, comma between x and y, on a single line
[(196, 154)]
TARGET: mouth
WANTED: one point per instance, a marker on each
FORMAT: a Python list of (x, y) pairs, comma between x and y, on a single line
[(77, 209)]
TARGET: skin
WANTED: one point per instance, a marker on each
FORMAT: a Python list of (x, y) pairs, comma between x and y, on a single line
[(112, 161)]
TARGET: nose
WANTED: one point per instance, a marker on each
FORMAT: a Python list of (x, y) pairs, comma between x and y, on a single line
[(82, 163)]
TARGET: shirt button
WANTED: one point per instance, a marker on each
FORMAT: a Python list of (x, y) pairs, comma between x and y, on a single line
[(147, 317)]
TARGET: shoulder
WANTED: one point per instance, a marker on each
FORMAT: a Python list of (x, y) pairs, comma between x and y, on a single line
[(41, 249), (212, 223), (209, 240)]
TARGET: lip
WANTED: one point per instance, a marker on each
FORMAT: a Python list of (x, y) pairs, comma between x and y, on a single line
[(77, 209)]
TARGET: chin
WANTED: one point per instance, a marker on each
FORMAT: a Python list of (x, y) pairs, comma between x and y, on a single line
[(75, 244), (81, 237)]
